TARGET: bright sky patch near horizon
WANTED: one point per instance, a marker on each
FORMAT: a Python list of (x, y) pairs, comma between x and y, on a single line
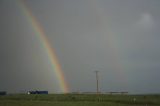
[(120, 38)]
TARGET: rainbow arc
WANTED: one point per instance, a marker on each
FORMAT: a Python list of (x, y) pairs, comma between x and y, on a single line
[(40, 33)]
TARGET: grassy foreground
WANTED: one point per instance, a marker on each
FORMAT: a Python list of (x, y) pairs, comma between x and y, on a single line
[(79, 100)]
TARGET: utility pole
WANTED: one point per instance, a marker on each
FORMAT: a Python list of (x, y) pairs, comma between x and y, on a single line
[(97, 81)]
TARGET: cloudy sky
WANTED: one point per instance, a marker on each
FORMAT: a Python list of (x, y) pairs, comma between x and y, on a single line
[(119, 38)]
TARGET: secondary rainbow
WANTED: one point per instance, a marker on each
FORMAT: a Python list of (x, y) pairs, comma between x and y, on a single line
[(111, 40), (40, 33)]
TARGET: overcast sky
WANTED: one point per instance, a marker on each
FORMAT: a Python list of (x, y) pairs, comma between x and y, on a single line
[(119, 38)]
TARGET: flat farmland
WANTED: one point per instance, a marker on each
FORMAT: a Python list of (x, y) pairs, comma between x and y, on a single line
[(79, 100)]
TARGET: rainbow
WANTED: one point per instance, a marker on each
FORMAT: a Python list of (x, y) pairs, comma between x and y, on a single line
[(111, 41), (40, 33)]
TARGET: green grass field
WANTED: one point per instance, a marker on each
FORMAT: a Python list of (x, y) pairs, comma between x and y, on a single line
[(79, 100)]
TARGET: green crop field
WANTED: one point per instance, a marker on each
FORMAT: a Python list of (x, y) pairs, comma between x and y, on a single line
[(80, 100)]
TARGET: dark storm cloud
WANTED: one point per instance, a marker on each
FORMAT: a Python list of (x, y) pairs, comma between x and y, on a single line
[(81, 32)]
